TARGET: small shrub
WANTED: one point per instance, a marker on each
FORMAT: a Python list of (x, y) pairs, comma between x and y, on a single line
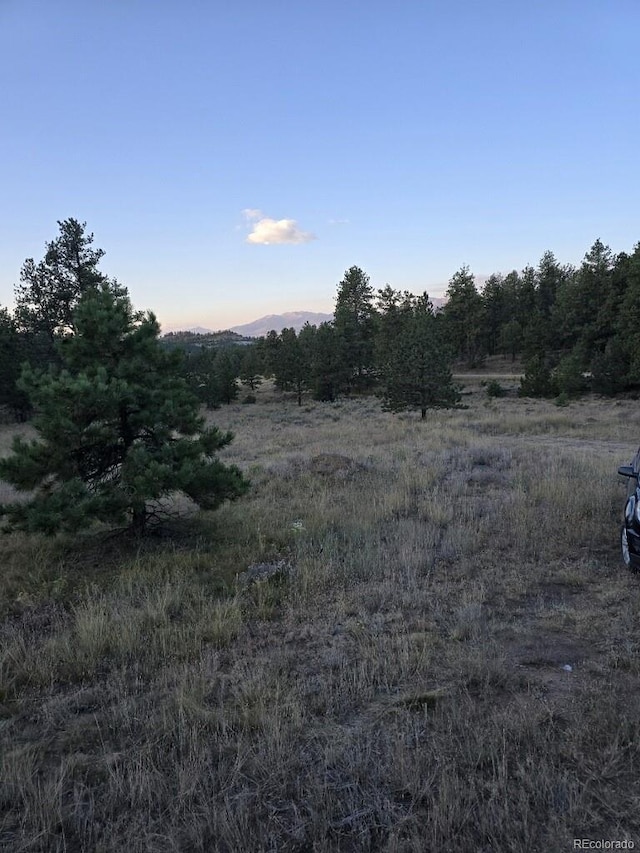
[(570, 378), (537, 380), (609, 370), (495, 389)]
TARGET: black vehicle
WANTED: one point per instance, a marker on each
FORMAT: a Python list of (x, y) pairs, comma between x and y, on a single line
[(630, 532)]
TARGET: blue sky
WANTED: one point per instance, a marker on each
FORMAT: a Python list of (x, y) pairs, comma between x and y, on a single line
[(233, 159)]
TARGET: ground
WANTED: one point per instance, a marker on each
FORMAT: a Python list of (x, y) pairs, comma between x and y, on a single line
[(410, 636)]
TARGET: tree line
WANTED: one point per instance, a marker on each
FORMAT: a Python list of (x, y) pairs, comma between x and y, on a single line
[(388, 342), (574, 328), (117, 411)]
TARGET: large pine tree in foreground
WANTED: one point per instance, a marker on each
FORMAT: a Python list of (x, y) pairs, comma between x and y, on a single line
[(118, 429)]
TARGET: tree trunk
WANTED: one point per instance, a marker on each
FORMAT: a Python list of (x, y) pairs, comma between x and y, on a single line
[(138, 519), (424, 414)]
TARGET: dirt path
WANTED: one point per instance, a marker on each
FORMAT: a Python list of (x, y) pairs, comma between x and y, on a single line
[(479, 377), (623, 449)]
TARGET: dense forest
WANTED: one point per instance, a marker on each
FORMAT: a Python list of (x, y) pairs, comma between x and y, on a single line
[(575, 329)]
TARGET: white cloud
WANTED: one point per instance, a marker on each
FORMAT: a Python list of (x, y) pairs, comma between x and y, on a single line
[(266, 231), (251, 213)]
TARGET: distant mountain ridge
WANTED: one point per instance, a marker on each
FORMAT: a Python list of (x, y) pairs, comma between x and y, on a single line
[(296, 320), (278, 322)]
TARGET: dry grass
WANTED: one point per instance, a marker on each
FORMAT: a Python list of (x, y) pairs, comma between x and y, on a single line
[(397, 683)]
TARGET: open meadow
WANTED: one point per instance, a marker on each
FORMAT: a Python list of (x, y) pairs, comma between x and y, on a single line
[(409, 636)]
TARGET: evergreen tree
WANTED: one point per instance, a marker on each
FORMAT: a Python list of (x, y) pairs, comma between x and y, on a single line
[(510, 340), (626, 325), (579, 317), (199, 372), (354, 322), (326, 372), (12, 354), (417, 372), (226, 368), (610, 369), (526, 297), (569, 377), (549, 278), (464, 315), (269, 348), (118, 429), (251, 367), (50, 289), (392, 308), (537, 380), (292, 364), (511, 336), (494, 312)]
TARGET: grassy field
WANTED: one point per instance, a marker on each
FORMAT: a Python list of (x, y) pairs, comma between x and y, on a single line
[(410, 636)]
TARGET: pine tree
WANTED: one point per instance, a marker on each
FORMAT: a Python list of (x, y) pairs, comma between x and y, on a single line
[(269, 347), (197, 369), (326, 371), (354, 323), (464, 317), (537, 380), (12, 354), (581, 302), (118, 429), (496, 312), (50, 290), (417, 371), (292, 367), (251, 367), (392, 307), (226, 369), (627, 323)]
